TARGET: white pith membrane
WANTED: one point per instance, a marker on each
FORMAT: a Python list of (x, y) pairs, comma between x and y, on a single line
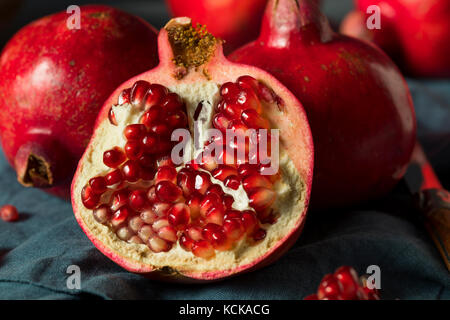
[(289, 204)]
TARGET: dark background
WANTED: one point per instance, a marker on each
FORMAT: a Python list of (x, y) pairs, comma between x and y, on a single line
[(36, 251)]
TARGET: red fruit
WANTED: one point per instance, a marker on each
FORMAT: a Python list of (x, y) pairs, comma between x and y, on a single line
[(98, 185), (425, 54), (235, 21), (114, 157), (194, 202), (358, 104), (9, 213), (53, 80), (343, 285)]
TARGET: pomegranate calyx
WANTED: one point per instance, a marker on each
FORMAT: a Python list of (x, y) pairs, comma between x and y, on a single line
[(294, 19)]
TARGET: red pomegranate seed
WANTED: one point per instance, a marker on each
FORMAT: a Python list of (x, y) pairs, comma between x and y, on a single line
[(120, 216), (172, 102), (147, 161), (329, 288), (194, 205), (138, 200), (124, 233), (267, 216), (215, 188), (160, 208), (119, 199), (179, 215), (138, 92), (89, 198), (146, 232), (186, 181), (157, 244), (148, 216), (248, 82), (232, 182), (98, 184), (248, 100), (135, 239), (113, 177), (223, 172), (348, 278), (131, 171), (233, 228), (114, 157), (195, 233), (237, 125), (135, 224), (154, 95), (166, 173), (227, 201), (9, 213), (102, 214), (168, 192), (134, 131), (152, 116), (249, 221), (209, 201), (151, 195), (160, 129), (215, 235), (160, 223), (203, 249), (254, 120), (215, 215), (186, 242), (124, 96), (261, 198), (147, 174), (229, 90), (112, 117), (168, 233), (221, 122), (256, 181), (245, 170), (150, 143), (133, 150), (178, 119), (208, 163), (165, 161), (259, 234), (232, 214), (232, 110), (202, 182)]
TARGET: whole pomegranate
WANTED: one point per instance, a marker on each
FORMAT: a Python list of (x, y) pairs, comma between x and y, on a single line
[(415, 33), (235, 21), (215, 207), (358, 104), (53, 81)]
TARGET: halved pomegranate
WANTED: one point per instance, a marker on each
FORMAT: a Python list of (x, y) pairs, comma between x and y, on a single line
[(217, 209)]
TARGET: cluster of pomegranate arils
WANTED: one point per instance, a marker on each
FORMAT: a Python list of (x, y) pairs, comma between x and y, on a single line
[(344, 285), (155, 203)]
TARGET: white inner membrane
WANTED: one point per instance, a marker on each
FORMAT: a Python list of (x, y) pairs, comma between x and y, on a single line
[(289, 204)]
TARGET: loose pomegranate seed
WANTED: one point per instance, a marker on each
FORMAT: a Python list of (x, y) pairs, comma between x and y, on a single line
[(98, 185), (113, 177), (120, 216), (168, 192), (254, 120), (135, 224), (261, 198), (168, 233), (89, 198), (172, 102), (166, 173), (124, 233), (146, 232), (160, 223), (124, 96), (131, 171), (149, 216), (179, 215), (134, 131), (203, 249), (329, 288), (232, 182), (348, 278), (138, 200), (154, 95), (233, 228), (259, 234), (202, 182), (102, 214), (157, 244), (9, 213), (119, 199), (114, 157), (138, 92)]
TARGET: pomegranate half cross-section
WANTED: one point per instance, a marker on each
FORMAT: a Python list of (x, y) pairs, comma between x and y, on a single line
[(198, 169)]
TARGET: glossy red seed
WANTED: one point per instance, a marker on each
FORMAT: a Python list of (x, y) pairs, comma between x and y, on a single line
[(151, 195), (120, 216), (154, 95), (329, 288), (261, 198), (131, 171), (215, 235), (172, 102), (113, 177), (119, 199), (256, 181), (229, 90), (202, 182), (233, 228), (227, 201), (112, 117), (348, 278), (138, 200), (166, 173), (248, 99), (179, 215), (168, 192), (178, 119), (203, 249), (160, 129), (248, 82), (221, 122), (98, 184), (232, 111), (223, 172), (209, 201), (133, 150), (124, 96), (114, 157), (89, 198), (186, 181), (232, 182), (232, 214), (150, 143), (253, 119), (215, 188), (102, 214), (168, 233), (147, 173), (152, 116), (249, 221), (259, 234), (194, 205), (138, 92), (9, 213), (245, 170), (186, 242), (134, 131), (215, 215), (147, 161)]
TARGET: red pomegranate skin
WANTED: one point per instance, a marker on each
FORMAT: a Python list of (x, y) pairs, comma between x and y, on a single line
[(415, 33), (358, 104), (53, 81), (235, 21)]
